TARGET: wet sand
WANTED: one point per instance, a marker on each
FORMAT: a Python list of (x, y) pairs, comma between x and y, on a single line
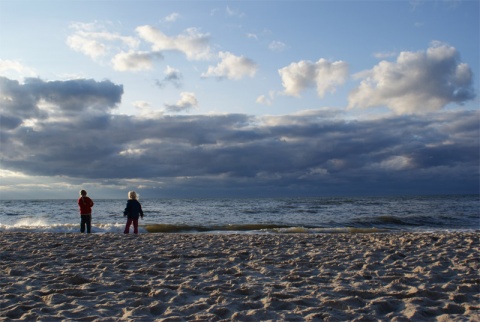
[(198, 277)]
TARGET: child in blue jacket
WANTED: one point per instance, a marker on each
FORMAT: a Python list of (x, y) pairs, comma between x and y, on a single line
[(133, 211)]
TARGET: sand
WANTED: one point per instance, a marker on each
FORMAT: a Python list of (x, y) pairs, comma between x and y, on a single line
[(197, 277)]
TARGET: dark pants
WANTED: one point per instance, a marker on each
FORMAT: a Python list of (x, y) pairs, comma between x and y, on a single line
[(86, 221), (135, 226)]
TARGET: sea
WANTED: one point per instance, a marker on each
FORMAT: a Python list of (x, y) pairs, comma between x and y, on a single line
[(312, 215)]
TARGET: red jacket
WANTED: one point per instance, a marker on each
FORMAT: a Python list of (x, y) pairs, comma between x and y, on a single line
[(85, 205)]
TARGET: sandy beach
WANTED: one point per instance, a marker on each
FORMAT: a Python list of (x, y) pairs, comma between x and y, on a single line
[(198, 277)]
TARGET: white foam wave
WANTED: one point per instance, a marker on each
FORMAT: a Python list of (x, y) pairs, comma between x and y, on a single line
[(43, 226), (27, 222)]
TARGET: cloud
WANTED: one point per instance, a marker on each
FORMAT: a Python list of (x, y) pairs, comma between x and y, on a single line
[(172, 17), (135, 61), (38, 113), (146, 110), (15, 68), (186, 102), (384, 55), (37, 98), (397, 162), (232, 67), (172, 76), (93, 40), (262, 99), (234, 13), (323, 74), (277, 46), (417, 82), (193, 43), (314, 151), (266, 99), (90, 47)]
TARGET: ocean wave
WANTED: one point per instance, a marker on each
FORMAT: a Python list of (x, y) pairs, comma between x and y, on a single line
[(173, 228), (392, 221)]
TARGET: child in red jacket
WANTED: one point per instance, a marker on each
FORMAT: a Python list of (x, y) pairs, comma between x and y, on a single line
[(85, 204)]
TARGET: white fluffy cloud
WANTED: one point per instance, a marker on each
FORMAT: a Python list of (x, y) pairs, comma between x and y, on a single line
[(232, 67), (323, 74), (135, 61), (90, 47), (15, 68), (416, 82), (193, 43), (186, 102), (94, 41), (172, 17), (266, 99)]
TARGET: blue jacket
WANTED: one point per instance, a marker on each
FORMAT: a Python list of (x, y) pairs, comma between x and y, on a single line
[(133, 209)]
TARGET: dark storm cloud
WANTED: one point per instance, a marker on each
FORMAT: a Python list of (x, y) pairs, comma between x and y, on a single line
[(308, 152), (18, 101), (76, 95), (9, 122), (39, 100)]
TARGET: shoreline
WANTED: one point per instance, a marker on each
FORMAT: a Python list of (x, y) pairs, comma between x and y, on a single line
[(239, 277), (247, 229)]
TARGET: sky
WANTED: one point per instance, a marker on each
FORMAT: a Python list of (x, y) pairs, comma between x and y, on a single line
[(238, 98)]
